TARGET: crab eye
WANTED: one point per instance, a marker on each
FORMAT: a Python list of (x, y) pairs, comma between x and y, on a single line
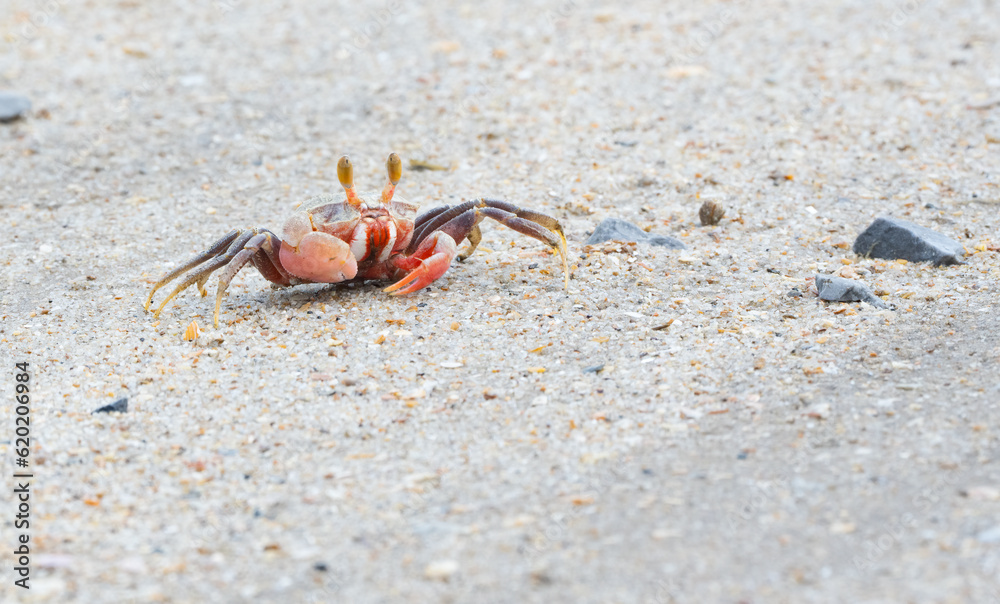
[(345, 172), (394, 166)]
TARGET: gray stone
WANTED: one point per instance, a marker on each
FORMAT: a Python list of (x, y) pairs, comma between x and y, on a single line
[(838, 289), (991, 535), (119, 406), (894, 239), (13, 106), (616, 229)]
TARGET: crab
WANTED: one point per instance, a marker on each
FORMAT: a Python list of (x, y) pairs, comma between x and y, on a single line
[(363, 237)]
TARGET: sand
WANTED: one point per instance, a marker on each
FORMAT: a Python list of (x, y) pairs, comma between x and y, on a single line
[(675, 427)]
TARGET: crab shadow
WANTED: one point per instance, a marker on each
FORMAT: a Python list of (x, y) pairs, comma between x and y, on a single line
[(298, 295)]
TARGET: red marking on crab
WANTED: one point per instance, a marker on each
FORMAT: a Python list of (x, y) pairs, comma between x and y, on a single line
[(354, 239)]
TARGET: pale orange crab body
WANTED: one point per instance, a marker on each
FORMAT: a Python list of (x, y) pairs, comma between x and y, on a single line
[(332, 242), (360, 238)]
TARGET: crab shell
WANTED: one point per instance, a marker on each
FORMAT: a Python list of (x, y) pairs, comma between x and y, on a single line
[(335, 241)]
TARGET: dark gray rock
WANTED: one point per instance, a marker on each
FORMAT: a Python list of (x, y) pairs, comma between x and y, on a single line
[(894, 239), (616, 229), (119, 406), (13, 106), (838, 289)]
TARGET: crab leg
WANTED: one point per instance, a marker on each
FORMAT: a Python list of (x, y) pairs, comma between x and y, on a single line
[(233, 252), (433, 220), (543, 219), (421, 220), (463, 226), (474, 237), (269, 265), (525, 222), (524, 226), (260, 249), (461, 222), (202, 274), (201, 258)]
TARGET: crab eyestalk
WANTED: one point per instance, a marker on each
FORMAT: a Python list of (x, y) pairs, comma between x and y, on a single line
[(394, 168), (345, 173)]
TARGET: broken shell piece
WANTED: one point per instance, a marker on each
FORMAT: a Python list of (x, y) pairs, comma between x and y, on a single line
[(192, 332), (711, 213)]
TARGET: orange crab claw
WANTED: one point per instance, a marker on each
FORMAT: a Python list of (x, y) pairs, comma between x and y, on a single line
[(429, 262), (394, 167), (345, 173)]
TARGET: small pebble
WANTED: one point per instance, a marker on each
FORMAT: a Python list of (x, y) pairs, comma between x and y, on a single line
[(119, 406), (991, 535), (616, 229), (838, 289), (984, 493), (13, 106), (442, 570)]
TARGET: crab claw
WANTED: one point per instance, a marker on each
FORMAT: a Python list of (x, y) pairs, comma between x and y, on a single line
[(319, 257), (429, 262)]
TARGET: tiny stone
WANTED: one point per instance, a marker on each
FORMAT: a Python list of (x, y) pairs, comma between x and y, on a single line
[(984, 493), (54, 560), (991, 535), (820, 411), (441, 570), (119, 406), (794, 293), (894, 239), (13, 106), (594, 369), (616, 229), (838, 289)]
